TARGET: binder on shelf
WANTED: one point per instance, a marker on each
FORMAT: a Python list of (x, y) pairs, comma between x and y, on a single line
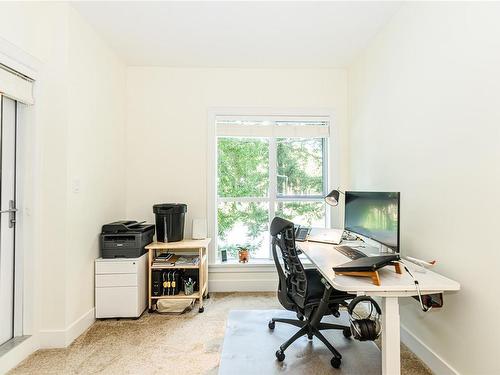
[(156, 285), (170, 285)]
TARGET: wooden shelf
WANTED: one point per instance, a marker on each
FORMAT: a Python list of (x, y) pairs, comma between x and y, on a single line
[(199, 247), (180, 266), (181, 295), (180, 245)]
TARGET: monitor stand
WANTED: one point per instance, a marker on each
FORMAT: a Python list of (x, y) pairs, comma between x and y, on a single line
[(375, 277)]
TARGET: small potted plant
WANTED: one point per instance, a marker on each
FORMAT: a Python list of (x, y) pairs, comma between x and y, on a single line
[(243, 254)]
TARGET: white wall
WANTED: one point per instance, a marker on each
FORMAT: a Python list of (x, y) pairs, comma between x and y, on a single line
[(167, 125), (425, 121), (96, 136), (45, 39), (77, 132), (167, 116)]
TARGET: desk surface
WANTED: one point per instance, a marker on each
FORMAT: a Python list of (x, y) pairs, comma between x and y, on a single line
[(324, 257)]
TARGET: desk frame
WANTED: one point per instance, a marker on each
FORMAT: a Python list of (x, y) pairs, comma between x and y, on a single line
[(392, 287)]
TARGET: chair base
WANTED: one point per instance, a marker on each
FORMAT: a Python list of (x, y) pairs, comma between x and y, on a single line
[(306, 328)]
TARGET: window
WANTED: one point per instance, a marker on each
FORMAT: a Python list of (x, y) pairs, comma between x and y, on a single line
[(268, 166)]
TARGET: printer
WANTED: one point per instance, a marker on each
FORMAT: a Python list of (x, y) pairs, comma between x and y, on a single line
[(125, 239)]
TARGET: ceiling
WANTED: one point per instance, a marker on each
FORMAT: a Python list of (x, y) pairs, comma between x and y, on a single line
[(237, 34)]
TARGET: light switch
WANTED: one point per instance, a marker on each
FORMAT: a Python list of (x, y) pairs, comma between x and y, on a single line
[(76, 185)]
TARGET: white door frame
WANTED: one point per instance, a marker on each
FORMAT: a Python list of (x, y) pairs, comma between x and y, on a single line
[(28, 220), (8, 143)]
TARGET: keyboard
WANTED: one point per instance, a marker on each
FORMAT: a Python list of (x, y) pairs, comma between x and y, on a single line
[(350, 252)]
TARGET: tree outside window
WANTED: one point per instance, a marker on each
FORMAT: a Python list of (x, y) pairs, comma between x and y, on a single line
[(262, 177)]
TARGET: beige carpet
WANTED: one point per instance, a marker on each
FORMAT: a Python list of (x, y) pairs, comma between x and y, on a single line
[(160, 344)]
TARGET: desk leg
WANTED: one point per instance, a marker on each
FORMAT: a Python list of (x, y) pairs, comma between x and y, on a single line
[(206, 272), (391, 361), (201, 280)]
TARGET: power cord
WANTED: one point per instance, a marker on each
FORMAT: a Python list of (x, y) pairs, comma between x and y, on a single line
[(417, 287)]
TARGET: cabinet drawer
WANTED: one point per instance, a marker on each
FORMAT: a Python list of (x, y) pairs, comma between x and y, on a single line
[(124, 266), (117, 302), (117, 279)]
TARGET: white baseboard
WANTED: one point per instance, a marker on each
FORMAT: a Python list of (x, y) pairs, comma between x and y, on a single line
[(235, 278), (243, 285), (426, 354), (63, 338)]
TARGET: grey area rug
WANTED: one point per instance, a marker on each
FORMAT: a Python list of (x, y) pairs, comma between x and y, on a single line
[(249, 348)]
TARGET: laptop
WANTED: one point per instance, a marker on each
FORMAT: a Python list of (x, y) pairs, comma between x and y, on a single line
[(331, 236), (367, 264)]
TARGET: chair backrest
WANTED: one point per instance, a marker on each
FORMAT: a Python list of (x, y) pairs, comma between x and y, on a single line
[(293, 280)]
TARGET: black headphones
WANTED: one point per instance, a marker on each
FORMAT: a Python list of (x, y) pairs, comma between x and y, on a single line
[(365, 329)]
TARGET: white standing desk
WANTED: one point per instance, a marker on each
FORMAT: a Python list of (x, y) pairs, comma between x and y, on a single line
[(392, 286)]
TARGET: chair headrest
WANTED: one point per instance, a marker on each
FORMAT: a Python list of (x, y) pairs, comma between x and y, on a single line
[(278, 225)]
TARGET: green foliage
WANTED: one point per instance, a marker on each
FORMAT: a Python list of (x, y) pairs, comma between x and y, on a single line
[(243, 171), (300, 166), (255, 216), (243, 165), (307, 211)]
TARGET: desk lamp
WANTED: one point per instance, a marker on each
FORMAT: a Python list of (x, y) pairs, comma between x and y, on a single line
[(333, 200), (333, 197)]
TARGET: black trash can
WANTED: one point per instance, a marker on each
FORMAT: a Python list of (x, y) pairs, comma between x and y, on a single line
[(170, 221)]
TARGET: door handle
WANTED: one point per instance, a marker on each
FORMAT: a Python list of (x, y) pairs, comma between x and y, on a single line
[(12, 213)]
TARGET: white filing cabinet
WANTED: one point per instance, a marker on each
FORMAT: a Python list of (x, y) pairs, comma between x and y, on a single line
[(121, 287)]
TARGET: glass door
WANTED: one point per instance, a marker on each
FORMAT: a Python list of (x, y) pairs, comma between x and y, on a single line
[(8, 123)]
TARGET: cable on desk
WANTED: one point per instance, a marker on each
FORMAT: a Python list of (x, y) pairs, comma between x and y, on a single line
[(417, 287)]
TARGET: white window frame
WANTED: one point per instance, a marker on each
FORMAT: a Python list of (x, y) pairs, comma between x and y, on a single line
[(330, 165)]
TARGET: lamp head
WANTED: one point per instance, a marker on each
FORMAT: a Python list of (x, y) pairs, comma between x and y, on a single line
[(333, 198)]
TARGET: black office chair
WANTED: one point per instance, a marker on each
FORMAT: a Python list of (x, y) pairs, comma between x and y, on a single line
[(304, 292)]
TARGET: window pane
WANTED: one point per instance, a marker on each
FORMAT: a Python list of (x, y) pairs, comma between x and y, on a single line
[(243, 167), (300, 166), (243, 224), (311, 214)]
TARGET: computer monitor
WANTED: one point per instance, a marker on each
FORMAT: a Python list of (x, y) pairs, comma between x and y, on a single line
[(374, 215)]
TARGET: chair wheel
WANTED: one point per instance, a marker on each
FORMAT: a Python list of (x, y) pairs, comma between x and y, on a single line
[(347, 332), (201, 309), (309, 336), (271, 324), (207, 296), (335, 362), (280, 356)]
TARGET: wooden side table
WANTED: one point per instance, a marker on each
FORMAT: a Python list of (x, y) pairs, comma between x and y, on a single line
[(180, 247)]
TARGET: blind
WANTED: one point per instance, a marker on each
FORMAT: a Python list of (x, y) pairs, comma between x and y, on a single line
[(273, 126), (15, 85)]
